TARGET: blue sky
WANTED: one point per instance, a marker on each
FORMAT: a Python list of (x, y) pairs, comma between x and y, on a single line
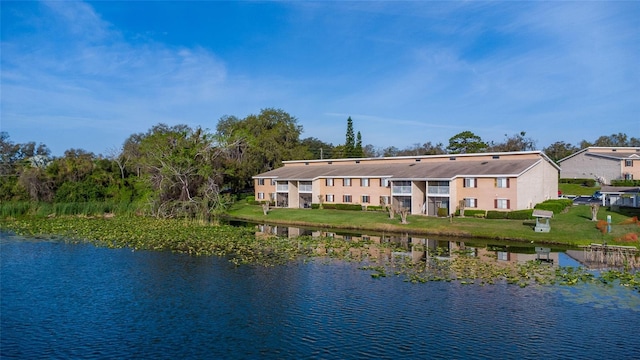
[(89, 74)]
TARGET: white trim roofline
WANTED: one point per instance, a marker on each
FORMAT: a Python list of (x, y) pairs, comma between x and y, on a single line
[(445, 156)]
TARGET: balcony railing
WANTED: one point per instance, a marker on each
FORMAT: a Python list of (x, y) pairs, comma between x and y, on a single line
[(401, 190), (282, 188), (306, 188), (438, 190)]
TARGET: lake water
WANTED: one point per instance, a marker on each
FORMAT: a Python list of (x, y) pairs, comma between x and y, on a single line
[(76, 301)]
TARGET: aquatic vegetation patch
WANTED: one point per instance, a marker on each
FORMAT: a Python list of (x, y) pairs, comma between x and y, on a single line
[(242, 246)]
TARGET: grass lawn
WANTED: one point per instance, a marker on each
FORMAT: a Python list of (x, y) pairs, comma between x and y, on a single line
[(576, 189), (571, 228)]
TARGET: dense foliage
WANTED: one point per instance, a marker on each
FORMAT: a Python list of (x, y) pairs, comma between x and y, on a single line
[(184, 172)]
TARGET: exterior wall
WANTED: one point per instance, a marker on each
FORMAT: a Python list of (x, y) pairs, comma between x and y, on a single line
[(266, 189), (634, 169), (338, 190), (584, 166), (487, 192), (538, 184), (418, 196), (294, 194)]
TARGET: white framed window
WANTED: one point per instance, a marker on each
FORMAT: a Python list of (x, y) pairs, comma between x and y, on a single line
[(628, 163), (329, 197), (260, 181), (470, 183), (346, 198), (502, 182), (328, 182), (346, 182), (260, 196), (364, 182), (470, 203), (628, 176), (503, 255), (502, 204), (384, 182), (273, 182), (366, 199)]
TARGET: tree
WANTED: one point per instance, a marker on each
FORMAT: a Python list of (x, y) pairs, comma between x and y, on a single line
[(260, 143), (559, 150), (516, 142), (466, 142), (358, 151), (350, 143), (317, 149)]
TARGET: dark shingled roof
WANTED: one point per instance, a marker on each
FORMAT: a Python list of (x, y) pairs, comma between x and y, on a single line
[(427, 170)]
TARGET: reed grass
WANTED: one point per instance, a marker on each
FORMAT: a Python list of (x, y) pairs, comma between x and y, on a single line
[(42, 209)]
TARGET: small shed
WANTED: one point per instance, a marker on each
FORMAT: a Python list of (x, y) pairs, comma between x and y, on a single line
[(542, 220)]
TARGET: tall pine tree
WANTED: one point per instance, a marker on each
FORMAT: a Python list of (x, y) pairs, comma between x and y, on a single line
[(349, 145)]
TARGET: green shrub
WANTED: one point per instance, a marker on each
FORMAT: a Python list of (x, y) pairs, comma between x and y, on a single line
[(583, 182), (625, 182), (555, 205), (520, 214), (494, 214), (329, 206), (375, 208), (356, 207), (443, 212), (315, 206), (472, 213)]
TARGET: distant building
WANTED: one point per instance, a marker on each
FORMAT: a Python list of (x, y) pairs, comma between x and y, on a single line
[(488, 181), (603, 164)]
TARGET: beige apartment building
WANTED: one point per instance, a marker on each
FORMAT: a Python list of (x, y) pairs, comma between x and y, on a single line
[(489, 181), (603, 164)]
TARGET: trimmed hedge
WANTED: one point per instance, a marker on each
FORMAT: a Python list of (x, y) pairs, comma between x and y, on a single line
[(355, 207), (494, 214), (625, 182), (375, 208), (520, 214), (472, 213), (583, 182), (557, 205)]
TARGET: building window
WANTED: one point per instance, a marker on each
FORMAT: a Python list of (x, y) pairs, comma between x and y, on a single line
[(260, 196), (502, 182), (329, 197), (470, 203), (273, 182), (502, 203), (384, 182), (470, 183), (346, 198), (328, 182), (503, 255), (628, 176), (366, 199), (260, 181), (364, 182), (346, 182), (628, 163)]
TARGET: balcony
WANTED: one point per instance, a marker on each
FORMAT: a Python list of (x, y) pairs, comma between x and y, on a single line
[(401, 190), (282, 187), (305, 187), (439, 190)]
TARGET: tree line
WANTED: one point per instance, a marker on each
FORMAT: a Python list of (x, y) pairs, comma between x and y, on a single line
[(180, 171)]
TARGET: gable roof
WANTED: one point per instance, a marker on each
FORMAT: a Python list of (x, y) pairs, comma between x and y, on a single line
[(606, 152), (441, 170)]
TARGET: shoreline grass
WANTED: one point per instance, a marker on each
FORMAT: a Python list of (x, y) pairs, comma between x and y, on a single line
[(573, 227)]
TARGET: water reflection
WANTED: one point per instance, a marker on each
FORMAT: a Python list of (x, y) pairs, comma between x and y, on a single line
[(421, 248)]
